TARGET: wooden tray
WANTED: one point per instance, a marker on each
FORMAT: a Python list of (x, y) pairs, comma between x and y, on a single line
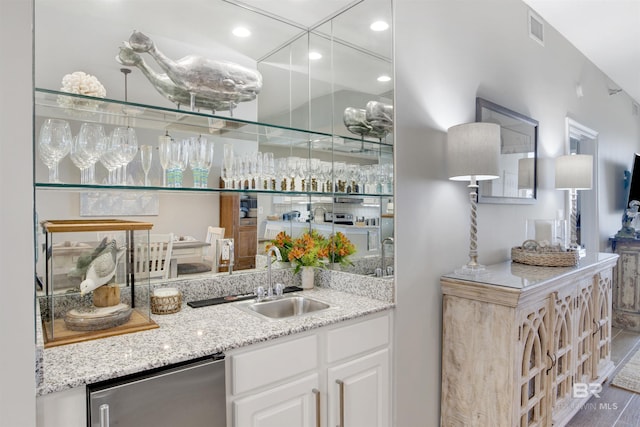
[(58, 334), (68, 225)]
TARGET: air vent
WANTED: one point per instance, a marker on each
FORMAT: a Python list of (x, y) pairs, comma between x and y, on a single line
[(536, 28)]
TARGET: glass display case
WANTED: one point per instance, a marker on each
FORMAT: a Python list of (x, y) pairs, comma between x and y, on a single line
[(95, 278)]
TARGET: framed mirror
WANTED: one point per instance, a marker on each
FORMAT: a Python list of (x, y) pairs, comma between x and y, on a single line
[(517, 183)]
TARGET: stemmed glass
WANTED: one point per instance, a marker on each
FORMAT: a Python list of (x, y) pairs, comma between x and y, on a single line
[(200, 160), (339, 172), (146, 155), (80, 159), (292, 171), (268, 171), (255, 171), (111, 159), (281, 165), (164, 154), (314, 172), (178, 162), (128, 142), (90, 144), (241, 171), (325, 176), (227, 166), (54, 143)]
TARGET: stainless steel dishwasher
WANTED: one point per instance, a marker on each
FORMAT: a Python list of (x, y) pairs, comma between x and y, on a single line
[(189, 394)]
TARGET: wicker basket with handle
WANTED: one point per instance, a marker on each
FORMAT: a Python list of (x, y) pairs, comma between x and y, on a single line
[(531, 253)]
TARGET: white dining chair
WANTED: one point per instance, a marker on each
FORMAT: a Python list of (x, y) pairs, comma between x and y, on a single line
[(154, 258), (209, 255)]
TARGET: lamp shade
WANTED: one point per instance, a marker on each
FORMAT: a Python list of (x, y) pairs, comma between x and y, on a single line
[(473, 151), (574, 171), (526, 173)]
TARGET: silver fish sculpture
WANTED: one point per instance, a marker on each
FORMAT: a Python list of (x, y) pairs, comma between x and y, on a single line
[(166, 87), (207, 78), (376, 120)]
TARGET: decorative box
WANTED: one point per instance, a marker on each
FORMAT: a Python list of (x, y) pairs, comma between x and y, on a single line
[(88, 283)]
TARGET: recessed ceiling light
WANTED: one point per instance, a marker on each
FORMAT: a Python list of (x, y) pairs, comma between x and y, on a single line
[(241, 32), (379, 26), (314, 55), (384, 78)]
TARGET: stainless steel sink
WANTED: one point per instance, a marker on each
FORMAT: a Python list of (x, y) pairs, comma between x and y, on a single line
[(284, 307)]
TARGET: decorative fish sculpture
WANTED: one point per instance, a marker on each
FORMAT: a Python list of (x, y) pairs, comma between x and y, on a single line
[(204, 78), (102, 269), (376, 120), (166, 87)]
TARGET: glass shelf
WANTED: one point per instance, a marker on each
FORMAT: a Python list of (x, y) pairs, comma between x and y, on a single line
[(62, 105), (95, 187)]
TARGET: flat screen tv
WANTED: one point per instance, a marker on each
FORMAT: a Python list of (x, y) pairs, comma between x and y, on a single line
[(634, 185)]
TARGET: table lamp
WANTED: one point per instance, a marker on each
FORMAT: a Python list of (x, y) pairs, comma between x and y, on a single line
[(574, 172), (473, 153)]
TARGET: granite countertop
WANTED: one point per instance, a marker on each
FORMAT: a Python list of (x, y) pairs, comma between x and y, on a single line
[(189, 334)]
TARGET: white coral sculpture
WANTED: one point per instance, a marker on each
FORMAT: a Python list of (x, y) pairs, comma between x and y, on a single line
[(80, 83), (84, 84)]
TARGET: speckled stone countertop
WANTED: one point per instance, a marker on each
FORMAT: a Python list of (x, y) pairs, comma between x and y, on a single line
[(192, 333)]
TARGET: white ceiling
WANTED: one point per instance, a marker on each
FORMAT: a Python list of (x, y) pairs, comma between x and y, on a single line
[(605, 31)]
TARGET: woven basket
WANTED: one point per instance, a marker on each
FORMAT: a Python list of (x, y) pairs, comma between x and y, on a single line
[(568, 258), (166, 304)]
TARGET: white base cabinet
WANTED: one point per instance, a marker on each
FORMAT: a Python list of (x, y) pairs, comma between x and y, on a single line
[(522, 346), (332, 376)]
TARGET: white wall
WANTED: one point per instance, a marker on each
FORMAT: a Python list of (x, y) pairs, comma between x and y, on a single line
[(17, 358), (447, 52)]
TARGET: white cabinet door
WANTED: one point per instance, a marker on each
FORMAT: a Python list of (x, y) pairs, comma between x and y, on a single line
[(291, 404), (361, 389)]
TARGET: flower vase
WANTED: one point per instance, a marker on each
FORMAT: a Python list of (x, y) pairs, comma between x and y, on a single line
[(336, 266), (306, 276)]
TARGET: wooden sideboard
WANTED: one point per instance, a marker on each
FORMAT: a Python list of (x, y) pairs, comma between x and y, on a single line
[(626, 289), (521, 343)]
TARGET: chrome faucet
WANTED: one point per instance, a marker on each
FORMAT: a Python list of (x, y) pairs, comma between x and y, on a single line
[(386, 270), (279, 287)]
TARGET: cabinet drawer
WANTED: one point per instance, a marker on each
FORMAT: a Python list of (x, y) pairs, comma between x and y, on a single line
[(357, 338), (269, 364)]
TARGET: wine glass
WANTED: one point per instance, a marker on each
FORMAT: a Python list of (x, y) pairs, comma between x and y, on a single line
[(164, 151), (80, 159), (111, 159), (92, 142), (255, 164), (146, 155), (268, 171), (179, 161), (339, 176), (54, 144), (206, 152), (128, 148), (227, 166), (314, 172), (200, 160)]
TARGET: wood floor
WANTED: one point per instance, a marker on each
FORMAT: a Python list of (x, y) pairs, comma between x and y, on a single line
[(615, 407)]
